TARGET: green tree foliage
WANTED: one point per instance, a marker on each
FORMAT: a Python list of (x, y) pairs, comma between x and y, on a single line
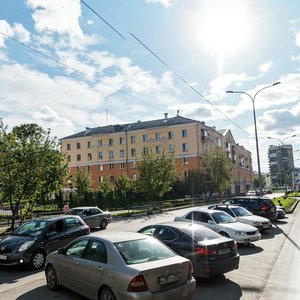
[(156, 175), (83, 189), (196, 182), (123, 187), (256, 181), (31, 166), (218, 167)]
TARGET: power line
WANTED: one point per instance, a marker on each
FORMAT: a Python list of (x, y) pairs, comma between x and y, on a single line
[(66, 66), (115, 30)]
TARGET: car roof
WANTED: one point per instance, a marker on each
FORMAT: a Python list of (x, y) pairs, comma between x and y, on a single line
[(119, 236), (180, 225), (228, 205), (55, 218), (84, 207)]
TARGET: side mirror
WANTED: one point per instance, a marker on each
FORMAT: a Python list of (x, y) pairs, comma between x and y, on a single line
[(210, 222)]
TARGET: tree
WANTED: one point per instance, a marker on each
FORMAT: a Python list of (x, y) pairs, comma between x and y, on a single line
[(218, 167), (256, 181), (31, 166), (156, 175), (196, 182), (123, 187)]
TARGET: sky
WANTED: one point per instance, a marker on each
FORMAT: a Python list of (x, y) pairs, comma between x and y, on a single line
[(71, 64)]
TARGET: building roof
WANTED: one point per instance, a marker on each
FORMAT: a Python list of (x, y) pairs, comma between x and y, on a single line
[(178, 120)]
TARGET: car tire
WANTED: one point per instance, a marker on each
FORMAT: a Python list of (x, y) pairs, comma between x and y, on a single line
[(37, 260), (51, 278), (222, 233), (103, 224), (107, 294)]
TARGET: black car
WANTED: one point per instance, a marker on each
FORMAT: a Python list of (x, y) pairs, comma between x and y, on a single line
[(259, 206), (210, 253), (30, 243)]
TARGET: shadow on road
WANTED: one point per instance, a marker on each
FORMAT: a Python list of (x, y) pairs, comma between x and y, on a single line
[(218, 288), (11, 274), (244, 250)]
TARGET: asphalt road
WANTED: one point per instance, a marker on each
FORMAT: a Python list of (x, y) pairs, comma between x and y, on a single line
[(269, 269)]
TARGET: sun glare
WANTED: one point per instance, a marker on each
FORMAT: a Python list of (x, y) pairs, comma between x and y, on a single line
[(223, 27)]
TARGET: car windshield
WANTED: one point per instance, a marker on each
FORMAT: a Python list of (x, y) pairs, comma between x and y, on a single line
[(241, 212), (200, 234), (32, 228), (221, 218), (143, 250)]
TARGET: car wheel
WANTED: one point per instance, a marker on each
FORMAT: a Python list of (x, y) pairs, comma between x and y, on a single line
[(222, 233), (107, 294), (51, 278), (37, 260), (103, 224)]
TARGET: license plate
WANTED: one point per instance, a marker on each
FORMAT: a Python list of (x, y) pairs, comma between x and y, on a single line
[(168, 279), (224, 251), (3, 257)]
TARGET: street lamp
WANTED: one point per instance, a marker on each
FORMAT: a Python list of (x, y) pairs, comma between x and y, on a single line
[(281, 160), (254, 118)]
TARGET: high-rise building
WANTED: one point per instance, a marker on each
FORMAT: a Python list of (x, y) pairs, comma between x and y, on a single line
[(281, 163), (115, 149)]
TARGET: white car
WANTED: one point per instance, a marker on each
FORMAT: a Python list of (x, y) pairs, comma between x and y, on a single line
[(223, 224), (251, 193), (243, 215)]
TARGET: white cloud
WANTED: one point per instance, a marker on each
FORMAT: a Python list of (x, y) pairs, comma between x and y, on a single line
[(266, 66), (57, 16), (166, 3), (6, 29)]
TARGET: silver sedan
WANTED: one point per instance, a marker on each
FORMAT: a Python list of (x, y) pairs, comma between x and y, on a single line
[(121, 266)]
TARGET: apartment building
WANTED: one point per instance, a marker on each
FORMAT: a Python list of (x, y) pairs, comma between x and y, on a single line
[(116, 149)]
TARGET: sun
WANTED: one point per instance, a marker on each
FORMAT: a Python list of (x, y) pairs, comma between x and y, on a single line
[(223, 27)]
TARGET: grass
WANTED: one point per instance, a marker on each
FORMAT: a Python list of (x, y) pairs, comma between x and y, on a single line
[(286, 202)]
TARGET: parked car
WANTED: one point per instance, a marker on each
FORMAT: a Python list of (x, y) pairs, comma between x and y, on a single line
[(251, 193), (260, 206), (280, 212), (242, 215), (92, 216), (121, 266), (210, 253), (223, 224), (30, 243)]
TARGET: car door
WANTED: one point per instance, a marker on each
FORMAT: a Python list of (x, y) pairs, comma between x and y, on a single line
[(88, 218), (72, 230), (54, 239), (90, 268)]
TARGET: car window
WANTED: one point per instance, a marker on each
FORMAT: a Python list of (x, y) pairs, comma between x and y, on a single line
[(241, 212), (96, 251), (95, 211), (76, 249), (57, 226), (226, 209), (72, 222), (203, 217), (143, 250), (165, 234), (149, 230)]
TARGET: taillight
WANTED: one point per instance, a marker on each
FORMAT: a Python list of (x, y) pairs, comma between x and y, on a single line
[(205, 251), (234, 246), (191, 270), (265, 207), (138, 284)]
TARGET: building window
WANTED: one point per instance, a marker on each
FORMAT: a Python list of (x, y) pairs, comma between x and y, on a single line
[(100, 143), (145, 150), (89, 156), (122, 140), (157, 136), (185, 160), (122, 166), (68, 158), (133, 177), (132, 139), (78, 145), (77, 169), (89, 169), (89, 144), (122, 153), (171, 148), (111, 154), (100, 167), (111, 179), (68, 146), (133, 165), (186, 174), (133, 152), (157, 149), (100, 155), (100, 179), (110, 142), (184, 133), (78, 157), (219, 141), (185, 147), (111, 167), (145, 138), (170, 135)]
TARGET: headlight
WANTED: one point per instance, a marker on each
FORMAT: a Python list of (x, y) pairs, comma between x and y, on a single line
[(256, 224), (240, 232), (25, 246)]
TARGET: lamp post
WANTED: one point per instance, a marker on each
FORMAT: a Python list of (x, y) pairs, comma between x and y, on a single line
[(254, 118), (281, 160)]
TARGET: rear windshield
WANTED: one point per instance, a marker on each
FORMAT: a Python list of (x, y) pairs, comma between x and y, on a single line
[(241, 212), (74, 212), (143, 250), (200, 234)]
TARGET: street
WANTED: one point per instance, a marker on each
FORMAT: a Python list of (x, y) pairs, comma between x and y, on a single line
[(269, 269)]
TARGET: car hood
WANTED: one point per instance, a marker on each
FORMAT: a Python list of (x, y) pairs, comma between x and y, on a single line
[(14, 241), (251, 219), (238, 226)]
